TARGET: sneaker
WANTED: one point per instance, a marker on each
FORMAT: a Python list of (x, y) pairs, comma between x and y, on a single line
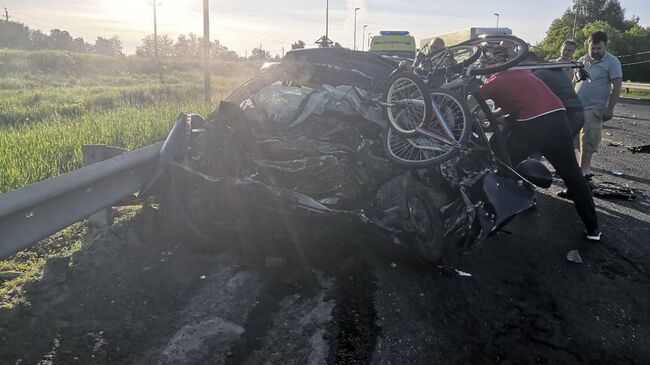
[(593, 235)]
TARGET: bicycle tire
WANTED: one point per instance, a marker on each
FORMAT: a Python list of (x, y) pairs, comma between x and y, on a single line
[(472, 50), (519, 44), (413, 88), (420, 151)]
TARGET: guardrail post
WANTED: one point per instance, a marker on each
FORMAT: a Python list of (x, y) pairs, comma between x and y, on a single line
[(93, 153)]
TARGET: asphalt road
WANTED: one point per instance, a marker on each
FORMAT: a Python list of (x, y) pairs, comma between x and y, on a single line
[(134, 297)]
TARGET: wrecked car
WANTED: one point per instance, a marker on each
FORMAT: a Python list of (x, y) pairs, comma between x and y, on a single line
[(300, 148)]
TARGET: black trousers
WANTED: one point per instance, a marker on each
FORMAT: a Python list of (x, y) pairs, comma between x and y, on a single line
[(550, 135), (576, 121)]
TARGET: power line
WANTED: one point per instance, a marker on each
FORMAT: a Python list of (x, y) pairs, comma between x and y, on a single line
[(633, 54), (635, 63)]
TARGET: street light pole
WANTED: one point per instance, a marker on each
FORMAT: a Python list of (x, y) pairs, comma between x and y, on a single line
[(355, 28), (363, 39), (327, 17), (369, 38), (497, 14)]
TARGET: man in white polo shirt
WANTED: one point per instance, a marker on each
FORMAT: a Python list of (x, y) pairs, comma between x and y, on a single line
[(598, 96)]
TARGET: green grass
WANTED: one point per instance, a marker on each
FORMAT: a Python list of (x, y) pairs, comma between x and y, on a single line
[(44, 120), (34, 152), (74, 98), (637, 94), (29, 263)]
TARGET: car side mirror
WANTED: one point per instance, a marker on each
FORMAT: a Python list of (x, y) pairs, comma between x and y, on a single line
[(535, 172)]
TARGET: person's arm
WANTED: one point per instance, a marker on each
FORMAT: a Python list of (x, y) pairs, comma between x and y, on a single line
[(613, 98)]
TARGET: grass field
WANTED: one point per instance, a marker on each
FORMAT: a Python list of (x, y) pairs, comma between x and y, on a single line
[(46, 115), (637, 94)]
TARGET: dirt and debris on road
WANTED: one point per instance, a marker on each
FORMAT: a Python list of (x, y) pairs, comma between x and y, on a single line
[(135, 297)]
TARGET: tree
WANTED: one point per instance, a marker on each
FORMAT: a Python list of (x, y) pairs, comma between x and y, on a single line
[(108, 46), (582, 13), (165, 48), (609, 11), (260, 54), (80, 46), (298, 45), (38, 39), (186, 46), (626, 37), (60, 39), (222, 52), (14, 35)]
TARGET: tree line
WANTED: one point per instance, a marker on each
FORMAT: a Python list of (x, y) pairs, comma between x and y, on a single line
[(15, 35), (627, 38)]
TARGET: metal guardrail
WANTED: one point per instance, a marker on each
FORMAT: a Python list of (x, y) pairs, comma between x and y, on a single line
[(32, 213), (636, 85)]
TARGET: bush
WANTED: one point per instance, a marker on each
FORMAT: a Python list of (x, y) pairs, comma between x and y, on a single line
[(52, 61)]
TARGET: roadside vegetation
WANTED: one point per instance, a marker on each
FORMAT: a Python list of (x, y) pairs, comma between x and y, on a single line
[(49, 109), (636, 94), (53, 102)]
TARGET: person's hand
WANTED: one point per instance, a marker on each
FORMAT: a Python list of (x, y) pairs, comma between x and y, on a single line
[(608, 115), (582, 74)]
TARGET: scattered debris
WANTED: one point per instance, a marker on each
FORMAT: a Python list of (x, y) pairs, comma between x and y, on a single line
[(393, 265), (640, 149), (614, 144), (616, 173), (612, 190), (574, 256), (463, 273)]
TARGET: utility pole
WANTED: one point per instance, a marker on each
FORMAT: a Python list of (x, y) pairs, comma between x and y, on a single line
[(497, 14), (206, 52), (7, 15), (155, 41)]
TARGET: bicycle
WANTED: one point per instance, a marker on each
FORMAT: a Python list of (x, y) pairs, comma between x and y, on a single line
[(428, 120)]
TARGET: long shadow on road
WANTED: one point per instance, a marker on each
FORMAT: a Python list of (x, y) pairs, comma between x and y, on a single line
[(525, 303)]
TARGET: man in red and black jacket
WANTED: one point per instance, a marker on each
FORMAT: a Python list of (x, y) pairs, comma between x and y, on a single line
[(541, 125)]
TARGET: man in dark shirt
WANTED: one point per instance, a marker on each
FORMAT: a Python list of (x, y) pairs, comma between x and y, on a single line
[(562, 87), (541, 126)]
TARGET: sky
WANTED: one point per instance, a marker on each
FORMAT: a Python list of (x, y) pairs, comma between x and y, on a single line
[(242, 25)]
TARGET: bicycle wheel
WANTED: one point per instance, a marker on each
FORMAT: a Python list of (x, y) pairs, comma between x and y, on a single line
[(432, 145), (491, 49), (408, 103), (455, 56)]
